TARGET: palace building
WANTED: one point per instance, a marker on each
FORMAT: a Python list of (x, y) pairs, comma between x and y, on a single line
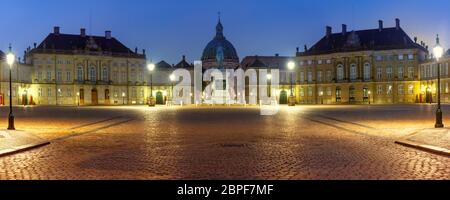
[(70, 69)]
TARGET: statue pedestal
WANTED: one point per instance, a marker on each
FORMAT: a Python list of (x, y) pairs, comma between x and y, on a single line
[(151, 101), (291, 101)]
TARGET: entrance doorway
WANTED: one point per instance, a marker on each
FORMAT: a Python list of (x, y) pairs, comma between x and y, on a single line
[(81, 100), (25, 98), (159, 98), (283, 97), (107, 96), (94, 97)]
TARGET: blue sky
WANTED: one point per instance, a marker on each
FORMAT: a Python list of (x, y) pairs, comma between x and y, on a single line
[(169, 29)]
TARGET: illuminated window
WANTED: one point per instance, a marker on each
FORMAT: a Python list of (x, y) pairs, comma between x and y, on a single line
[(80, 73), (367, 70), (400, 72), (92, 74), (400, 89), (340, 73), (353, 72)]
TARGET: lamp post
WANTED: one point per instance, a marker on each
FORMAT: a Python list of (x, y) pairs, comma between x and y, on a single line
[(78, 98), (321, 97), (438, 51), (269, 79), (10, 59), (368, 96), (172, 79), (123, 98), (291, 66), (150, 68)]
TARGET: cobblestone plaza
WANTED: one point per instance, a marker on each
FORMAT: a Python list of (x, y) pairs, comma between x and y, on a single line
[(303, 142)]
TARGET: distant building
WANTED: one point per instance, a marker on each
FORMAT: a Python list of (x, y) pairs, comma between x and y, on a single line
[(220, 53), (428, 80)]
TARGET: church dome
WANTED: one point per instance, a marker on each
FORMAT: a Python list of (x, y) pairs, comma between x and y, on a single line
[(220, 49)]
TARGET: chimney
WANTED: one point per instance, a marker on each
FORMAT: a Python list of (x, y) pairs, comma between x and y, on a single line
[(277, 55), (34, 44), (143, 51), (108, 35), (306, 48), (328, 33), (380, 25), (397, 23), (297, 49), (135, 50), (184, 57), (344, 29), (56, 30), (415, 39), (83, 32)]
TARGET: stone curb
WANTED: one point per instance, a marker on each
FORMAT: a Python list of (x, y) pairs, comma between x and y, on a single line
[(22, 148), (424, 147)]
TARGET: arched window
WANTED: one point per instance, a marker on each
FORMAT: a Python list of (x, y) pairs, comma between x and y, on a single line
[(105, 74), (80, 73), (353, 72), (367, 71), (92, 74), (340, 72)]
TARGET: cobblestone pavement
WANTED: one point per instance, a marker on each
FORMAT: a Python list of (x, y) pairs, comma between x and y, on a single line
[(305, 142)]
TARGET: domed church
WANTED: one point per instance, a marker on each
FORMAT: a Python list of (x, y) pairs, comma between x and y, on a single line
[(220, 53)]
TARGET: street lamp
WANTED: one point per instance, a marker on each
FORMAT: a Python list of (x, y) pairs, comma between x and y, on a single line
[(291, 66), (269, 78), (172, 79), (438, 51), (78, 98), (150, 68), (369, 96), (10, 59), (123, 98), (321, 97)]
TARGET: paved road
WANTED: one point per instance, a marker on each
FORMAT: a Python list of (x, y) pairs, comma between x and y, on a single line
[(305, 142)]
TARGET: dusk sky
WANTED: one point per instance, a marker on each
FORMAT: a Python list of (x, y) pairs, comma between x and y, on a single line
[(168, 29)]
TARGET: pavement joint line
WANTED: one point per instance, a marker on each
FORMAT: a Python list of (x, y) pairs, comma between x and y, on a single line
[(343, 121), (94, 123), (91, 131), (424, 147), (22, 148)]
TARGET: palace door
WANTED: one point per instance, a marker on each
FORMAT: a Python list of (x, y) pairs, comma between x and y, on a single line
[(107, 96), (94, 97), (81, 100)]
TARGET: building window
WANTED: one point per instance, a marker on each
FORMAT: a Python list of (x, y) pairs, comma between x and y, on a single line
[(446, 87), (379, 58), (310, 78), (329, 91), (411, 89), (410, 56), (319, 76), (389, 89), (115, 76), (353, 72), (302, 77), (340, 73), (400, 57), (80, 73), (133, 92), (400, 89), (105, 74), (367, 71), (40, 92), (319, 62), (328, 61), (310, 91), (389, 72), (49, 92), (379, 73), (329, 76), (68, 76), (302, 92), (39, 76), (69, 92), (58, 76), (124, 77), (400, 72), (141, 76), (92, 74), (379, 89), (410, 72), (49, 75)]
